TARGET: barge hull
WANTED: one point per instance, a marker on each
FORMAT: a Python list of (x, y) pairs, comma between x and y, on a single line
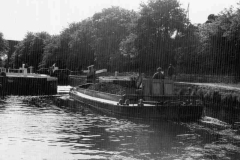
[(148, 112)]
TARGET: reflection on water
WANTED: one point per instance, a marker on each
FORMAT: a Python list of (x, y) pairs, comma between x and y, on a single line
[(46, 131)]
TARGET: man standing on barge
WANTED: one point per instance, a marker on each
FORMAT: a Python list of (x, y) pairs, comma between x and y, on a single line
[(159, 74), (91, 76), (170, 71)]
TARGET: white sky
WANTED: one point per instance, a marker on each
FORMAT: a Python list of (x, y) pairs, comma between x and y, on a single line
[(17, 17)]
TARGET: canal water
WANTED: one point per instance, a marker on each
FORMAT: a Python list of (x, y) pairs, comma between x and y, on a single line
[(38, 128)]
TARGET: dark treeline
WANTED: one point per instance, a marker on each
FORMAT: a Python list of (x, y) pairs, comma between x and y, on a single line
[(4, 48), (123, 40)]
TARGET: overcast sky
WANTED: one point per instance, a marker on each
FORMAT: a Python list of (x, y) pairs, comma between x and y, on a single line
[(17, 17)]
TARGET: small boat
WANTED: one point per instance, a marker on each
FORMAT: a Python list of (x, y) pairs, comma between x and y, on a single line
[(156, 100)]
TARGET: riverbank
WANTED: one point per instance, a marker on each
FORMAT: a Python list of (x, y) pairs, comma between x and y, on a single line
[(217, 94)]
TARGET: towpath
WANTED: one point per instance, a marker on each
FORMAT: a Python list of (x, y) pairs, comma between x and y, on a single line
[(230, 87)]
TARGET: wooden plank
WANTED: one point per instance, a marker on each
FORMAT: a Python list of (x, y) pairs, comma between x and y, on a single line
[(168, 87), (95, 99), (157, 87), (102, 95)]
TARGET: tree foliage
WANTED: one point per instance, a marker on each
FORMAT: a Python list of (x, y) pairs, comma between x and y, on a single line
[(30, 50), (71, 49), (3, 45), (82, 54), (159, 22), (217, 46), (159, 34), (110, 27)]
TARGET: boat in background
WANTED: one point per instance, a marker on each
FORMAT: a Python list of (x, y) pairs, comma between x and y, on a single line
[(77, 78), (155, 100)]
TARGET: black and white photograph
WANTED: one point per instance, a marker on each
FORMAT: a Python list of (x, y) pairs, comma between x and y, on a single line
[(120, 80)]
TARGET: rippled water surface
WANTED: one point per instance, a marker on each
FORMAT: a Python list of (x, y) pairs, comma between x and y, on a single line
[(31, 129)]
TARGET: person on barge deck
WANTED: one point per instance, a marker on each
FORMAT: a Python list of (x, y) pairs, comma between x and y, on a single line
[(91, 76), (171, 71), (159, 74)]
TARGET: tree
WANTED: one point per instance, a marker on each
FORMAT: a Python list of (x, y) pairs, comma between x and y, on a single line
[(81, 52), (188, 53), (12, 47), (51, 52), (71, 49), (211, 18), (110, 27), (220, 44), (30, 50), (213, 47), (160, 20), (3, 46)]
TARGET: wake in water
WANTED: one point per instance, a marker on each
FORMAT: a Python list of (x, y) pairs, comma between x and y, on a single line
[(45, 127)]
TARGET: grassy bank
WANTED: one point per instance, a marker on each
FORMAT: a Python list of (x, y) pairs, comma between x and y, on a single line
[(221, 95)]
